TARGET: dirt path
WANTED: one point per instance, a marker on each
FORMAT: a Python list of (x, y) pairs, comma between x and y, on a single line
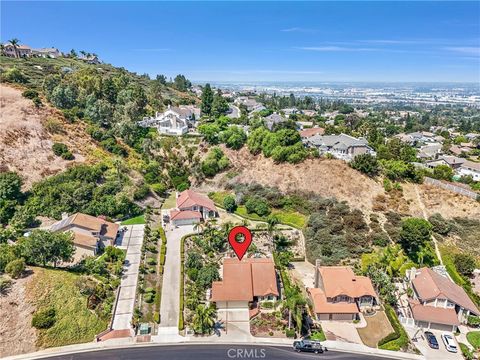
[(17, 336), (424, 213)]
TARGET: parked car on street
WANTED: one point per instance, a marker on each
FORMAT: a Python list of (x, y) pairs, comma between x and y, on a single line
[(431, 339), (449, 342), (309, 346)]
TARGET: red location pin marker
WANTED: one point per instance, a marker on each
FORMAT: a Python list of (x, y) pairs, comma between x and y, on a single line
[(240, 248)]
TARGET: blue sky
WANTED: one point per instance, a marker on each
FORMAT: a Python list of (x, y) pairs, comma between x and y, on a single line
[(263, 41)]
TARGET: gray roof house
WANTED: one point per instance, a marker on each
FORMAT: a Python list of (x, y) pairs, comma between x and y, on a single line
[(273, 119), (341, 146)]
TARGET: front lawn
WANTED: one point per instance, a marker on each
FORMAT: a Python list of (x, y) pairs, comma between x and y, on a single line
[(377, 328), (74, 322), (170, 202), (473, 338), (140, 219)]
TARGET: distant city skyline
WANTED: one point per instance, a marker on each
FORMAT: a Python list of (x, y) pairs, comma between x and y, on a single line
[(263, 41)]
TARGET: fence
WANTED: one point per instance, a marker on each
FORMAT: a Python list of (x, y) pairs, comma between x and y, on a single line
[(454, 188)]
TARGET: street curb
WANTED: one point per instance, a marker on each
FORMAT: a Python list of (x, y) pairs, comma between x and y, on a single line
[(74, 349)]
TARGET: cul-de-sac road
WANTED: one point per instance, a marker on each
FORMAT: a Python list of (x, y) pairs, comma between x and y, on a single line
[(209, 352)]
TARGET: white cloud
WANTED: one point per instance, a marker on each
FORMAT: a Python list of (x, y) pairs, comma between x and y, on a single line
[(298, 29), (335, 48), (466, 50)]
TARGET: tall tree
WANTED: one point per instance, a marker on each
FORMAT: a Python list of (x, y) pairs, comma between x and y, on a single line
[(43, 247), (219, 105), (204, 319), (15, 42), (207, 100)]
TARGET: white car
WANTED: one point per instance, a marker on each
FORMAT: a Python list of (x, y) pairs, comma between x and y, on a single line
[(449, 342)]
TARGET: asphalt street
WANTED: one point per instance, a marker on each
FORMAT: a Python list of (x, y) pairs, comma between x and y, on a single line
[(208, 352)]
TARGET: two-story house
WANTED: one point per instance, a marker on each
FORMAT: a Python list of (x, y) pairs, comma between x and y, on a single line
[(244, 284), (339, 294), (90, 233), (191, 208), (437, 302)]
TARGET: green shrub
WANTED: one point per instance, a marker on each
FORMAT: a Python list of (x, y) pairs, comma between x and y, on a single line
[(44, 319), (15, 268), (473, 320), (150, 290), (290, 333), (267, 304), (30, 94), (467, 354), (397, 340), (151, 261), (149, 297), (59, 148), (156, 317), (229, 203)]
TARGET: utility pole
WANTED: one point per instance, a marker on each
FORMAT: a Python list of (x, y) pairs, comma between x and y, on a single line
[(317, 265)]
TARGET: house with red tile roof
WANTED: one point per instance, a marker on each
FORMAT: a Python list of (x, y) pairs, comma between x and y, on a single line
[(246, 281), (340, 294), (191, 208), (437, 302)]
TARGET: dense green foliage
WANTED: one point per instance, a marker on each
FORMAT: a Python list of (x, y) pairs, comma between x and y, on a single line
[(282, 145), (10, 195), (94, 190), (44, 319), (61, 150), (43, 247), (215, 162), (365, 163)]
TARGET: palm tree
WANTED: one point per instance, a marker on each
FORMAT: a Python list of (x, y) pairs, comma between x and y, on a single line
[(204, 319), (295, 303), (15, 42), (199, 227)]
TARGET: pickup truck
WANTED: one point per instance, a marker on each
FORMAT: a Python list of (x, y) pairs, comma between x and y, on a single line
[(309, 346)]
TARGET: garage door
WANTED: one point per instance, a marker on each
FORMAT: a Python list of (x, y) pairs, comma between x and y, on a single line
[(440, 327)]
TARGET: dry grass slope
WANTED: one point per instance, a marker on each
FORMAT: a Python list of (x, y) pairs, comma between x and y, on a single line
[(328, 178), (27, 135)]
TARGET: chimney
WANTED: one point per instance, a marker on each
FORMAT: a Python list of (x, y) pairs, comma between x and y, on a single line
[(317, 265), (64, 215)]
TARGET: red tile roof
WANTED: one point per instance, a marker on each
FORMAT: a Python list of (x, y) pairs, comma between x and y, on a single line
[(437, 315), (189, 198), (312, 131), (182, 215), (242, 280), (340, 280), (430, 285), (322, 306)]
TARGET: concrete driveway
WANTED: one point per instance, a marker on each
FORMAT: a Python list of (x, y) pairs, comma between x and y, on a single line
[(236, 323), (341, 331), (428, 352), (132, 241), (170, 304)]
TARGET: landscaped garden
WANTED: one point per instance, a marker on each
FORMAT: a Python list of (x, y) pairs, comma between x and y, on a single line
[(269, 324), (151, 272)]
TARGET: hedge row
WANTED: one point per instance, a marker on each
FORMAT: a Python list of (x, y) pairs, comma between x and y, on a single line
[(181, 324), (398, 339)]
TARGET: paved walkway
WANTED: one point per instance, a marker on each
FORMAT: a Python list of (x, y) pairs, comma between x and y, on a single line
[(132, 241), (170, 304)]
